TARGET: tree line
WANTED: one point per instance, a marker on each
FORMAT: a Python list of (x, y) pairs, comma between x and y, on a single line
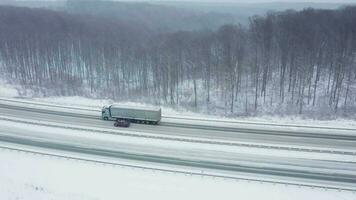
[(291, 62)]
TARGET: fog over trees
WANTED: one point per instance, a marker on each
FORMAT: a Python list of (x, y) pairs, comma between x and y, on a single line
[(291, 62)]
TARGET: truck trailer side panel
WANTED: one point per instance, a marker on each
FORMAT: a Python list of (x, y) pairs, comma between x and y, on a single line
[(136, 114)]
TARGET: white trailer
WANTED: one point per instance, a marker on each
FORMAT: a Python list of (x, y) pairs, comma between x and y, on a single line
[(150, 115)]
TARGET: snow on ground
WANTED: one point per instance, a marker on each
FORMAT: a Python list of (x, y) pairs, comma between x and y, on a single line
[(76, 101), (99, 103), (7, 90), (37, 177)]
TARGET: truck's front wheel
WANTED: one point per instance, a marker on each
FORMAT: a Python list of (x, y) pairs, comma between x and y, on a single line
[(106, 118)]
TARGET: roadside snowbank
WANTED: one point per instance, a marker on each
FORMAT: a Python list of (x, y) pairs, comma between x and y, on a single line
[(34, 177), (7, 90), (99, 103)]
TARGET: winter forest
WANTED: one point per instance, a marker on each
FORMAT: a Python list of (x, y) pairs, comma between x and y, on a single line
[(283, 62)]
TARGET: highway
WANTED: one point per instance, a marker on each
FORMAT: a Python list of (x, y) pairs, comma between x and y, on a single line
[(336, 141), (219, 158)]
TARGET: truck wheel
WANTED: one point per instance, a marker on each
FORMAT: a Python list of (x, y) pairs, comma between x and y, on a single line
[(106, 118)]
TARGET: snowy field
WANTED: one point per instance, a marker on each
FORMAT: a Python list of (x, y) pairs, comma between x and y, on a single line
[(37, 177)]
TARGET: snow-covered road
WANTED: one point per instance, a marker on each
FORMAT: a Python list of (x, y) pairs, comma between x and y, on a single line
[(338, 138)]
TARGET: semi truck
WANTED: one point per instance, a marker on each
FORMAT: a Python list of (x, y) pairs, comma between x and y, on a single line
[(137, 114)]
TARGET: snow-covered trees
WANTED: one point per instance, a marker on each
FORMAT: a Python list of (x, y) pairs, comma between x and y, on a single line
[(282, 62)]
